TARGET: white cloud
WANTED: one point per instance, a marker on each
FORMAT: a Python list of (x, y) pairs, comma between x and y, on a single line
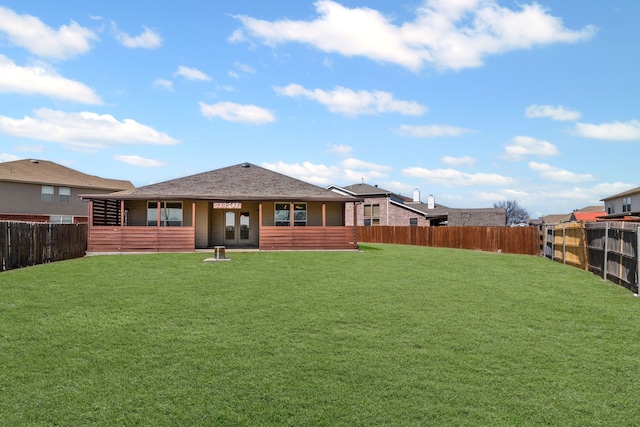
[(38, 38), (41, 80), (351, 175), (233, 74), (556, 174), (499, 195), (139, 161), (307, 171), (616, 131), (4, 157), (352, 163), (524, 146), (149, 39), (340, 150), (454, 178), (459, 161), (163, 84), (84, 130), (431, 131), (192, 74), (350, 170), (351, 103), (245, 68), (446, 34), (230, 111), (559, 112)]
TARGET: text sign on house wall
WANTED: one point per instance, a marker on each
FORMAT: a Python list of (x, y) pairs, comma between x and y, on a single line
[(227, 205)]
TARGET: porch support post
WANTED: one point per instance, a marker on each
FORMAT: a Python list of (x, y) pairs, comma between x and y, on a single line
[(291, 214), (193, 214), (259, 215), (159, 216), (324, 214), (121, 213), (90, 219), (355, 214)]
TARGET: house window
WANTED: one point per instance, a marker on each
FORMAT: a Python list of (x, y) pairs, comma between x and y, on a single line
[(372, 214), (300, 214), (64, 195), (47, 194), (610, 208), (170, 214), (61, 219), (626, 204), (283, 214), (413, 221)]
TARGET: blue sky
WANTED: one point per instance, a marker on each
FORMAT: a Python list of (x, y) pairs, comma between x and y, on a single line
[(472, 101)]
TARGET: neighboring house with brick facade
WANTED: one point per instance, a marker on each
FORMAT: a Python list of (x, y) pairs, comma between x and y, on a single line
[(383, 207), (42, 191)]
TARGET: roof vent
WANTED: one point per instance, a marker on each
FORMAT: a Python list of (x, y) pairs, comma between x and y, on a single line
[(245, 165), (34, 161)]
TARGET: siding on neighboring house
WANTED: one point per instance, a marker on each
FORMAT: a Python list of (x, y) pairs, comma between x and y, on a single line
[(21, 188)]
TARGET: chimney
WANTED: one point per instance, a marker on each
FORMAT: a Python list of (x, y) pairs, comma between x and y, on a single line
[(431, 204), (416, 196)]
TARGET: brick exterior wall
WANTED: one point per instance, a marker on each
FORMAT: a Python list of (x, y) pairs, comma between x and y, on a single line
[(38, 218), (390, 214)]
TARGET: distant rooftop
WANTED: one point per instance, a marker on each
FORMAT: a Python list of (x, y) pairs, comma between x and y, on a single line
[(34, 171)]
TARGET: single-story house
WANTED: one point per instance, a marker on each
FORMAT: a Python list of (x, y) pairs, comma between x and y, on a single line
[(384, 207), (42, 191), (238, 206)]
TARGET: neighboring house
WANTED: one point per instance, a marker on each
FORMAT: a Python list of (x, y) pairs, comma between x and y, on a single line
[(383, 207), (238, 206), (587, 214), (622, 206), (42, 191)]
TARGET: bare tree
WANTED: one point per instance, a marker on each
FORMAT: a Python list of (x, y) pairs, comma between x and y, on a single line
[(515, 213)]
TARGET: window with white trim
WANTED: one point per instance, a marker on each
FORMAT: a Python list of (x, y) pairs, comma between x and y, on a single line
[(372, 214), (170, 214), (64, 195), (626, 204), (46, 194), (282, 214)]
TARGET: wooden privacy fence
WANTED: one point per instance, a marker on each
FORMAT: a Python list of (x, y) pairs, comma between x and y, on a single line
[(608, 249), (26, 243), (512, 240)]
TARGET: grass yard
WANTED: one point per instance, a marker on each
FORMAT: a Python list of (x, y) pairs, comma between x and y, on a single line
[(393, 335)]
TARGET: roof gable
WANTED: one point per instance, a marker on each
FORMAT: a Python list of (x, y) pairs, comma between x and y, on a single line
[(243, 181), (31, 171), (623, 194)]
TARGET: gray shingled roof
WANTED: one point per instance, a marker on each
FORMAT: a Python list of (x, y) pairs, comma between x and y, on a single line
[(367, 190), (34, 171), (485, 217), (240, 182)]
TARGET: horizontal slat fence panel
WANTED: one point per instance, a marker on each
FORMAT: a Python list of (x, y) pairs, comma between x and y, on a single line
[(142, 239), (515, 240), (309, 238)]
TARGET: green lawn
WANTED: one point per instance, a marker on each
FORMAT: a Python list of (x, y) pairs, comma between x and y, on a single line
[(392, 335)]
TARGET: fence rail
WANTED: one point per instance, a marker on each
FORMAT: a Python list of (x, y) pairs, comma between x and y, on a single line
[(608, 249), (24, 244), (513, 240)]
